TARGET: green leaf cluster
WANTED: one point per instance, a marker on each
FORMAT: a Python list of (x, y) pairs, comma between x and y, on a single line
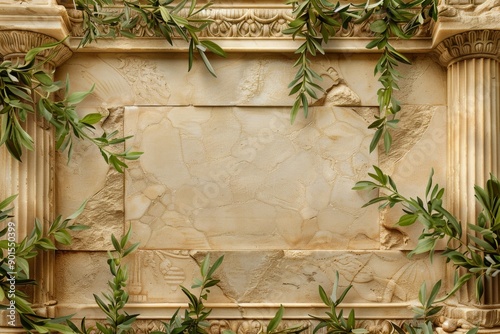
[(478, 252), (163, 17), (27, 95), (423, 322), (40, 239), (274, 326), (317, 21), (195, 316), (395, 19), (426, 314), (336, 323), (428, 310), (113, 302)]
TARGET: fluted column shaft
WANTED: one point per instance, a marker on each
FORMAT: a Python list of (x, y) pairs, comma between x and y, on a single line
[(473, 73), (473, 105), (33, 178)]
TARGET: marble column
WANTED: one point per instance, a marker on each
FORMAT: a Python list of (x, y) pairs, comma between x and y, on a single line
[(473, 70), (33, 178)]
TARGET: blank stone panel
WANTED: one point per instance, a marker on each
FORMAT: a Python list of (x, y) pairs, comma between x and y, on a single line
[(243, 178)]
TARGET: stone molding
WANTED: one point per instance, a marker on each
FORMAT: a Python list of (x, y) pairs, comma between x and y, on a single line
[(469, 44), (255, 326), (41, 16), (258, 310), (247, 326), (16, 43), (247, 22), (467, 7), (228, 23), (245, 25)]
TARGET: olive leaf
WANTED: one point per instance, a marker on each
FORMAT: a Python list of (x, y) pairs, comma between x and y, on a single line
[(478, 254), (317, 21)]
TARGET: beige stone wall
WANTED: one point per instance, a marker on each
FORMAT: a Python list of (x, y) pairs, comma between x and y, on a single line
[(224, 172)]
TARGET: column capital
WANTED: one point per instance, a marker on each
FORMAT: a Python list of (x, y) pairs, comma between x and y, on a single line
[(16, 43), (459, 16), (45, 17), (469, 44)]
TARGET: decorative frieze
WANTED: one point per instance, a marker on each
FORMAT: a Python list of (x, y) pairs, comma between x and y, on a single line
[(256, 326), (228, 22), (248, 326)]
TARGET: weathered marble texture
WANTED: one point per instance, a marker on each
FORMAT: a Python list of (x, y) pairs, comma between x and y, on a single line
[(244, 79), (225, 172), (419, 147), (235, 162), (240, 178), (263, 277), (102, 188), (233, 159)]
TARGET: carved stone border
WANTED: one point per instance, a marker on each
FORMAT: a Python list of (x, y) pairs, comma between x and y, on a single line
[(244, 23), (256, 326)]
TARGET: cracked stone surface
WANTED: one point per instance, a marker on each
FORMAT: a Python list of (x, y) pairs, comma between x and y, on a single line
[(224, 172), (237, 178), (272, 276)]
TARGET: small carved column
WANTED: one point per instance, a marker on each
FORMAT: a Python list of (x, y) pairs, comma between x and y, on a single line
[(33, 178), (472, 60)]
